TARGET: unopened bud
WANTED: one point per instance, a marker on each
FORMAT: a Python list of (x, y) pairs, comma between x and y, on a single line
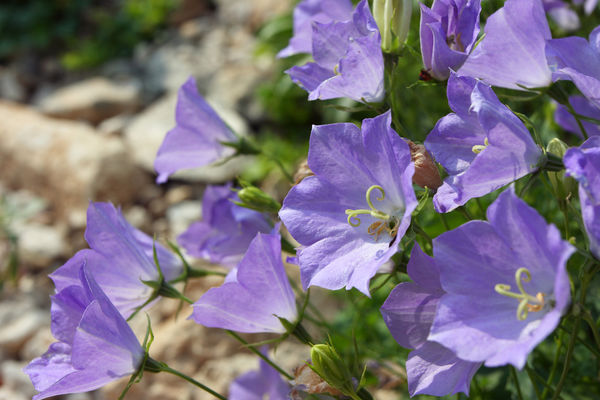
[(308, 381), (393, 20), (302, 172), (426, 172), (562, 185), (328, 364), (255, 199)]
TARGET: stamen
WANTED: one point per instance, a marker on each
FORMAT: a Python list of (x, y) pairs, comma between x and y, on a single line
[(478, 148), (527, 302)]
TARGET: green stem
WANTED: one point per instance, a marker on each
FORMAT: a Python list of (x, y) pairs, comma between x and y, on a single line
[(261, 355), (418, 230), (554, 364), (576, 116), (543, 382), (588, 318), (463, 210), (191, 380), (535, 388), (444, 221), (513, 373)]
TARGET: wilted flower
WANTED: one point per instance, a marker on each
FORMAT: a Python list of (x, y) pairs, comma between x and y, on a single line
[(198, 138), (483, 145), (306, 13), (511, 54), (95, 347), (408, 313), (426, 172), (448, 31), (348, 60), (350, 216), (121, 257), (226, 229), (506, 284), (583, 164), (582, 106), (573, 58), (256, 297), (309, 381)]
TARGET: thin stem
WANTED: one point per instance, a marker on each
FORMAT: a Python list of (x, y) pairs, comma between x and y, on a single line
[(554, 364), (463, 210), (535, 388), (513, 373), (444, 221), (576, 116), (193, 382), (261, 355), (543, 382), (418, 230), (588, 318)]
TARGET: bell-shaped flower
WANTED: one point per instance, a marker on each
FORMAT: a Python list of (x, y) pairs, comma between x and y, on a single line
[(120, 258), (511, 54), (584, 107), (408, 313), (573, 58), (95, 344), (448, 31), (255, 298), (348, 60), (226, 229), (583, 164), (309, 11), (198, 137), (506, 284), (562, 14), (266, 383), (350, 216), (482, 145)]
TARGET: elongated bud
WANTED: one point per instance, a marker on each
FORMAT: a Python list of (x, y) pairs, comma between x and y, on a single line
[(426, 172), (393, 20), (255, 199), (562, 185), (328, 364)]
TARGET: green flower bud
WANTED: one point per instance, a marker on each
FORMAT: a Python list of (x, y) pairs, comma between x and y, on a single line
[(255, 199), (328, 364), (393, 20), (562, 185)]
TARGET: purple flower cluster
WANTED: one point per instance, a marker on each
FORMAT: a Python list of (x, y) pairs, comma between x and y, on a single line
[(491, 293)]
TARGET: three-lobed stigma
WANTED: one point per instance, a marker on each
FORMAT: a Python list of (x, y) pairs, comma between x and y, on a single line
[(527, 302), (386, 223)]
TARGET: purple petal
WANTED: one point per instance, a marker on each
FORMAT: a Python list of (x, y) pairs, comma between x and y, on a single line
[(260, 295), (512, 53), (195, 141), (434, 370)]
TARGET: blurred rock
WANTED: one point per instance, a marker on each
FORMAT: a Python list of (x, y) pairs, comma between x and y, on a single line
[(114, 125), (65, 162), (92, 100), (148, 129), (181, 215), (19, 321), (40, 244), (251, 14), (15, 383), (10, 87)]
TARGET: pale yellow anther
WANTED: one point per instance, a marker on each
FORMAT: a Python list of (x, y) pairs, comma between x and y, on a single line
[(478, 148)]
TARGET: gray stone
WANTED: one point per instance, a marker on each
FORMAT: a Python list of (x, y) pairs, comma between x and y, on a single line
[(15, 383), (181, 215), (40, 244), (10, 87), (93, 100)]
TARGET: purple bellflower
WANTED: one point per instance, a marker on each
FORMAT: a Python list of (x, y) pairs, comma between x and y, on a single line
[(408, 313), (583, 164), (198, 137), (562, 14), (226, 229), (448, 31), (256, 297), (506, 284), (309, 11), (350, 216), (95, 344), (582, 106), (511, 54), (266, 383), (120, 258), (482, 145), (573, 58), (348, 60)]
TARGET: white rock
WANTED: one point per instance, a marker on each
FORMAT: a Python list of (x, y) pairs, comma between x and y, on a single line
[(40, 244), (181, 215)]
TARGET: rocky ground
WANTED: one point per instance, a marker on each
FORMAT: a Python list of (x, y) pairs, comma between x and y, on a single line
[(66, 139)]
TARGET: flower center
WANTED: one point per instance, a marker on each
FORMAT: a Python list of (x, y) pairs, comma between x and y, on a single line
[(527, 302), (478, 148), (386, 222)]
